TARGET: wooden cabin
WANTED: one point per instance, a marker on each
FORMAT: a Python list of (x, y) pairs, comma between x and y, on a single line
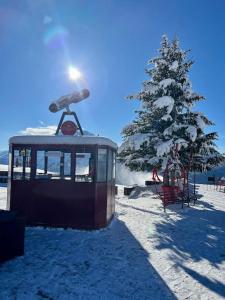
[(62, 181)]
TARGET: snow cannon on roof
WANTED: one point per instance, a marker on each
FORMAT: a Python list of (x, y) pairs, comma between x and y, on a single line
[(68, 127), (65, 101)]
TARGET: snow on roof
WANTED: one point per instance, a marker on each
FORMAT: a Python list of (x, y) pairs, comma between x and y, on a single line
[(62, 140)]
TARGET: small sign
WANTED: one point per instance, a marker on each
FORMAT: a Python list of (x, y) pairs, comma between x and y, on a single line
[(68, 128)]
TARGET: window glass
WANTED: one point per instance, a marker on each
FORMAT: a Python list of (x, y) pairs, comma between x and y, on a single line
[(84, 170), (114, 165), (110, 161), (102, 159), (67, 165), (53, 165), (22, 164)]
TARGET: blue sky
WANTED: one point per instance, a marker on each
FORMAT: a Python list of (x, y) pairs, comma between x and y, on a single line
[(110, 42)]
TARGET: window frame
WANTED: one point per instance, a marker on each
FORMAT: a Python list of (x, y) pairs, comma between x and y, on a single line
[(99, 148), (61, 169), (23, 177), (72, 149), (110, 165), (113, 165), (92, 149)]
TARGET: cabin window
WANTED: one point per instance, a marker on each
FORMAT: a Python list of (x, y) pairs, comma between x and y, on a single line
[(53, 164), (102, 165), (114, 165), (84, 167), (67, 165), (110, 167), (21, 163)]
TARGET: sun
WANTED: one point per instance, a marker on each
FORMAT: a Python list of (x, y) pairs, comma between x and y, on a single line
[(74, 73)]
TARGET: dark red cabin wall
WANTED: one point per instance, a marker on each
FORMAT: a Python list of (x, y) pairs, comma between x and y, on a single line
[(55, 203), (21, 198), (110, 199), (100, 205), (63, 203)]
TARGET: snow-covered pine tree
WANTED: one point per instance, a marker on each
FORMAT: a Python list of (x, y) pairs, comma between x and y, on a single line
[(167, 132)]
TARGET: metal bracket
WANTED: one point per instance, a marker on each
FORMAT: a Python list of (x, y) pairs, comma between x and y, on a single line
[(68, 113)]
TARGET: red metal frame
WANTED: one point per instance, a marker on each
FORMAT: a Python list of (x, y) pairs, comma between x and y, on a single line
[(155, 176)]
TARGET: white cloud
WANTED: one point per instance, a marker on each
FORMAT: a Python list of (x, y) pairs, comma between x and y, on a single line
[(46, 130), (47, 20), (41, 130)]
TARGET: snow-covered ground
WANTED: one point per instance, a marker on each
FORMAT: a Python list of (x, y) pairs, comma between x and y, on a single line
[(144, 254), (3, 196)]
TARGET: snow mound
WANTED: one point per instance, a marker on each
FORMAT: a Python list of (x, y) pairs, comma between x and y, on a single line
[(126, 177)]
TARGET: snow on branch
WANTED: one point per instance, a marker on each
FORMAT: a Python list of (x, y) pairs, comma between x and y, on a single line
[(200, 122), (181, 143), (129, 129), (174, 66), (164, 148), (166, 82), (135, 141), (192, 132), (165, 101)]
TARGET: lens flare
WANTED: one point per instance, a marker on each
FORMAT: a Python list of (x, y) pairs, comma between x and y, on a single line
[(56, 37)]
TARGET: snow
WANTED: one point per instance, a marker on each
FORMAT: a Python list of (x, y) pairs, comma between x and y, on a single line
[(4, 168), (129, 128), (165, 101), (200, 122), (181, 143), (174, 66), (164, 148), (166, 82), (3, 196), (62, 140), (150, 87), (126, 177), (192, 132), (167, 117), (134, 141), (144, 254)]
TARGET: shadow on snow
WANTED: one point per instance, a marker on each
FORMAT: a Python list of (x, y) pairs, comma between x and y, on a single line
[(196, 235), (72, 264)]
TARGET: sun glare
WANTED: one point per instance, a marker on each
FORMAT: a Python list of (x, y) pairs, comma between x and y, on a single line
[(74, 73)]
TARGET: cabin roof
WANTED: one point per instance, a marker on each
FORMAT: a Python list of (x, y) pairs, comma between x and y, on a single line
[(61, 140)]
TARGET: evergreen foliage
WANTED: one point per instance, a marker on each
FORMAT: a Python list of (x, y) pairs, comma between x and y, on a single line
[(167, 131)]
